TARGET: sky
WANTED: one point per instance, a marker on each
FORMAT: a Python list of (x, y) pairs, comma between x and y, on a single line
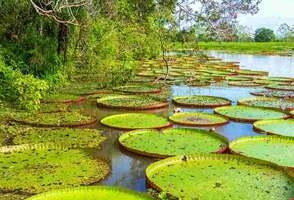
[(271, 14)]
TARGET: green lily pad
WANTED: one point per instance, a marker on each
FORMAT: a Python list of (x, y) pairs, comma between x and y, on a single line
[(198, 119), (268, 102), (91, 193), (138, 89), (53, 107), (131, 121), (249, 114), (171, 142), (67, 137), (201, 101), (243, 83), (281, 87), (220, 177), (238, 78), (38, 168), (59, 119), (275, 93), (276, 126), (12, 196), (274, 149), (281, 79), (131, 102), (62, 98)]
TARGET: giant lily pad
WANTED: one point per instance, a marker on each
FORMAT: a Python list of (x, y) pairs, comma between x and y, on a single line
[(37, 168), (59, 119), (198, 119), (63, 98), (131, 121), (275, 93), (220, 177), (65, 136), (175, 141), (91, 193), (268, 102), (139, 89), (243, 84), (276, 126), (249, 114), (201, 101), (130, 102), (274, 149), (281, 87)]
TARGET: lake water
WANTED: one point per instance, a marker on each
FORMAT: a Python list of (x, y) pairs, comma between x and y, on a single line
[(275, 65)]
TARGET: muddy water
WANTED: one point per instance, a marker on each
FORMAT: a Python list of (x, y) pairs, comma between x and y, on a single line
[(275, 65), (127, 168)]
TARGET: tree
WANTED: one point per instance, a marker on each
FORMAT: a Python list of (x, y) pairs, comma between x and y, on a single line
[(264, 35), (286, 32)]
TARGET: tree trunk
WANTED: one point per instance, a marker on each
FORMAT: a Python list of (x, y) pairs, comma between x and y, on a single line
[(62, 41)]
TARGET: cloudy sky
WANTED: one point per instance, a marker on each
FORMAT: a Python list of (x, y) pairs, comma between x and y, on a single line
[(272, 13)]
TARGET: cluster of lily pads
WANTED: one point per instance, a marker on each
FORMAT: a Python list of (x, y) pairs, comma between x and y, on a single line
[(45, 151)]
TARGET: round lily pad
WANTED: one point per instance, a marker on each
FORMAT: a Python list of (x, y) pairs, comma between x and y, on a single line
[(138, 89), (53, 107), (275, 93), (171, 142), (248, 113), (131, 121), (276, 149), (220, 177), (131, 102), (64, 136), (243, 84), (63, 98), (281, 87), (268, 102), (91, 193), (201, 101), (238, 78), (59, 119), (38, 168), (198, 119), (276, 126)]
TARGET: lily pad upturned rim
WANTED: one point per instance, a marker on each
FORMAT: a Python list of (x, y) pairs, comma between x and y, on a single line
[(229, 102), (216, 110), (87, 190), (224, 118), (257, 138), (261, 130), (129, 129), (143, 107), (225, 157), (156, 155), (79, 99)]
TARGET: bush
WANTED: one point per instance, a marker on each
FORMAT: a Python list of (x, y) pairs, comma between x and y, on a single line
[(24, 90), (264, 35)]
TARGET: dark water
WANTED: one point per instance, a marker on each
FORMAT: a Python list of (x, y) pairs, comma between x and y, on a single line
[(275, 65), (128, 170)]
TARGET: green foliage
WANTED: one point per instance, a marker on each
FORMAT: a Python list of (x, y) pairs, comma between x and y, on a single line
[(264, 35)]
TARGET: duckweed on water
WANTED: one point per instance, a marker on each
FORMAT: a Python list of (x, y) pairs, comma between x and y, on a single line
[(274, 149), (66, 137), (201, 101), (268, 102), (38, 168), (220, 177), (249, 114), (132, 102), (198, 119), (59, 119), (175, 141), (276, 126), (131, 121), (92, 193)]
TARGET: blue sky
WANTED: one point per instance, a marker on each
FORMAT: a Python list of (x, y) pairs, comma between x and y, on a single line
[(272, 13)]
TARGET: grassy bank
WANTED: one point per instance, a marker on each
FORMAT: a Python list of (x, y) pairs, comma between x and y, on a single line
[(266, 48)]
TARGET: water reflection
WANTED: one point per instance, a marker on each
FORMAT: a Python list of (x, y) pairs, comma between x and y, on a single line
[(275, 65)]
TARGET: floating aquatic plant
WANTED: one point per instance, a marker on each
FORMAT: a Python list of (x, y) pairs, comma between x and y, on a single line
[(268, 102), (175, 141), (201, 101), (283, 127)]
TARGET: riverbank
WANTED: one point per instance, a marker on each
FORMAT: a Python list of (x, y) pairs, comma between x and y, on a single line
[(264, 48)]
